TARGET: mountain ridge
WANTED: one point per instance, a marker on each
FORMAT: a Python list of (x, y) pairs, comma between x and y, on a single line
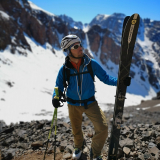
[(101, 39)]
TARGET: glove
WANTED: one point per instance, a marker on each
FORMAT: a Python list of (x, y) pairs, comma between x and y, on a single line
[(55, 103), (127, 81)]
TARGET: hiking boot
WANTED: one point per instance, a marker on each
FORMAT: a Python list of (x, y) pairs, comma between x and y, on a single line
[(91, 156), (98, 158), (77, 153)]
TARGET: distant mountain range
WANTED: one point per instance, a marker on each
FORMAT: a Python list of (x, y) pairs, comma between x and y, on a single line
[(100, 38)]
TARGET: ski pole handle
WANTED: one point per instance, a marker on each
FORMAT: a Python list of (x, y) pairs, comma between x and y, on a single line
[(57, 93), (57, 96)]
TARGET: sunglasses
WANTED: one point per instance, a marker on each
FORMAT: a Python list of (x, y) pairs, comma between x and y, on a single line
[(76, 46)]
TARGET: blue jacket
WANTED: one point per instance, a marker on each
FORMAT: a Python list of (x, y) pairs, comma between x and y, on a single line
[(86, 88)]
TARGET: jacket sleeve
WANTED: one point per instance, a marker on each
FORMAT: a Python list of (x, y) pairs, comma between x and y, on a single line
[(59, 82), (102, 75)]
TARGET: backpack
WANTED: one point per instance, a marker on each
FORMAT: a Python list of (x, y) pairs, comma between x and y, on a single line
[(67, 71)]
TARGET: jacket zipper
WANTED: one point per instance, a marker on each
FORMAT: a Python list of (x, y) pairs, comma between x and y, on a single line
[(77, 89), (79, 79), (79, 92), (82, 76)]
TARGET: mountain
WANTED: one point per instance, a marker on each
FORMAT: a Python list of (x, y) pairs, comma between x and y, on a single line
[(112, 22), (101, 39), (106, 43), (71, 22)]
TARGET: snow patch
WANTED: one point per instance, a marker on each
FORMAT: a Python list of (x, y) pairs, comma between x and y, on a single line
[(146, 44), (88, 46), (102, 17), (158, 105), (4, 15), (86, 28)]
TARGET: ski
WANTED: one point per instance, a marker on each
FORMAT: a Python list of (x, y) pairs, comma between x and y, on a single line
[(129, 33)]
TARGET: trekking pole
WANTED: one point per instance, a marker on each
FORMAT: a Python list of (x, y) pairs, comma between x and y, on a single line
[(54, 116), (55, 135)]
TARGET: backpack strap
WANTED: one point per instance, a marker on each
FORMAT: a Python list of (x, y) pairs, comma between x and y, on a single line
[(89, 67), (66, 72)]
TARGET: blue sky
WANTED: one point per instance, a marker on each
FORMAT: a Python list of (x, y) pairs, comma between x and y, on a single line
[(86, 10)]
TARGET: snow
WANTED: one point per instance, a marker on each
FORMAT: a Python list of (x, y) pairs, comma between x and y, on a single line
[(4, 15), (158, 105), (13, 39), (34, 80), (102, 17), (86, 28), (145, 108), (146, 44), (87, 46), (106, 16), (75, 27), (156, 46)]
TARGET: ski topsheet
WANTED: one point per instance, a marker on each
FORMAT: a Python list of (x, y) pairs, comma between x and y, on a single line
[(129, 33)]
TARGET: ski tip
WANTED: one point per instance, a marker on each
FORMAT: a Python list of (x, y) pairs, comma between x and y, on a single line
[(135, 18), (136, 15)]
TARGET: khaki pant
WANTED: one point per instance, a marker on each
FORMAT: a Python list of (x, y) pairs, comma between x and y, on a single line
[(97, 117)]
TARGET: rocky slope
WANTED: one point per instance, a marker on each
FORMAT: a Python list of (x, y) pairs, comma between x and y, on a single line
[(139, 139)]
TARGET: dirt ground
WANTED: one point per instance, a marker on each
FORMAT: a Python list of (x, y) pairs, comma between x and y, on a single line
[(35, 156)]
